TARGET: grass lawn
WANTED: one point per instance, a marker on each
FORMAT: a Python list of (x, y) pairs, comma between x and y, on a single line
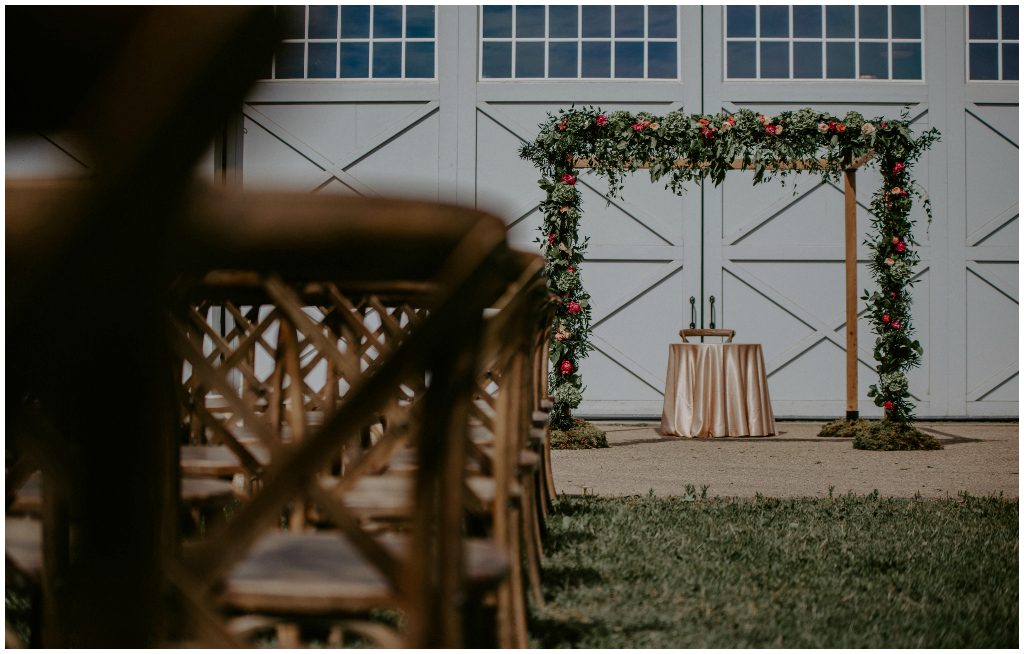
[(849, 572)]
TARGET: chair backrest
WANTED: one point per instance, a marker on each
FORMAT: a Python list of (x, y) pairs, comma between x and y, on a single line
[(727, 334)]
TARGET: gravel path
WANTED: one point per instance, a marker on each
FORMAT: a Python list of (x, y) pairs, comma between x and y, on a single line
[(979, 458)]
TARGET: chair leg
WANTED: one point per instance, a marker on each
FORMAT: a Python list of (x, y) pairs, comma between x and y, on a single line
[(531, 539)]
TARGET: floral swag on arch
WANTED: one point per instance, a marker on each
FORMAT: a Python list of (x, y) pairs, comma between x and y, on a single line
[(692, 147)]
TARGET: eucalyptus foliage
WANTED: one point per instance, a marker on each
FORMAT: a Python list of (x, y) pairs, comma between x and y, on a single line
[(678, 148)]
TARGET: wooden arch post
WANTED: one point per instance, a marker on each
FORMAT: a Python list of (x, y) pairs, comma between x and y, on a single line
[(850, 249)]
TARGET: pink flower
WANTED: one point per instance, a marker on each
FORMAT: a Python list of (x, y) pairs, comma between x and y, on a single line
[(703, 122), (901, 246), (888, 405), (562, 209), (641, 126), (824, 127), (840, 127), (562, 125), (896, 190), (896, 325), (566, 367), (895, 240), (774, 130), (884, 124), (898, 168), (570, 269), (573, 307), (764, 120), (601, 120), (889, 261), (568, 179), (707, 132), (551, 238), (893, 294)]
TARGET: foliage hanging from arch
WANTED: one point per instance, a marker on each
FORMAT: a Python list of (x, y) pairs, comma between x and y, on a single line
[(621, 142)]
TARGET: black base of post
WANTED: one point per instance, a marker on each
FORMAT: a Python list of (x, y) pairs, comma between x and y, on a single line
[(853, 415)]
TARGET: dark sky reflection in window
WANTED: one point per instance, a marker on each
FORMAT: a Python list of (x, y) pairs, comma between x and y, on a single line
[(874, 61), (323, 21), (419, 22), (530, 21), (661, 61), (629, 21), (629, 59), (774, 60), (983, 22), (597, 21), (290, 60), (355, 60), (906, 61), (807, 21), (323, 60), (563, 21), (529, 59), (387, 21), (355, 22), (562, 59), (774, 21), (984, 61), (839, 21), (661, 22), (741, 58), (1011, 63), (597, 58), (497, 21), (1011, 24), (741, 20), (387, 60), (906, 22), (419, 60), (293, 21), (874, 21), (840, 60), (807, 60), (497, 60)]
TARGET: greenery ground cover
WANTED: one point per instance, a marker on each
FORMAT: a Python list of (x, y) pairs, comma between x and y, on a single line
[(839, 572)]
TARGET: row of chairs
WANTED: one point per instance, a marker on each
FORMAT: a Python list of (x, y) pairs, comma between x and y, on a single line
[(361, 428)]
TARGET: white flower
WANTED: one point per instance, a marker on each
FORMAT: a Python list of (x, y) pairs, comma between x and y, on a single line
[(726, 126), (778, 130), (867, 130)]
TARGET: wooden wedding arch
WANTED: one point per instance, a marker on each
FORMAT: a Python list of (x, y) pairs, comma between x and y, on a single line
[(850, 250)]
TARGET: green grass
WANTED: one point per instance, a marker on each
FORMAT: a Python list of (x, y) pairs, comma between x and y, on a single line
[(843, 572)]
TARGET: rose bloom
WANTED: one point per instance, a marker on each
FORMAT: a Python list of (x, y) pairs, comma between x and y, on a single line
[(895, 240), (707, 133), (896, 190), (898, 168), (778, 130), (896, 325), (570, 269), (889, 261), (601, 120), (726, 126), (764, 120), (901, 246), (573, 307), (840, 127), (562, 125), (703, 122), (566, 367), (563, 209), (822, 127), (868, 129), (551, 238), (885, 318), (562, 334), (888, 405), (568, 179), (654, 125), (730, 120)]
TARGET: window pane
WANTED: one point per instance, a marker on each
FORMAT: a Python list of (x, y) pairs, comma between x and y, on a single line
[(740, 20), (807, 21), (387, 60), (1010, 61), (906, 61), (387, 22), (323, 59), (629, 59), (1011, 24), (774, 20), (530, 21), (661, 22), (529, 59), (497, 60), (266, 68), (629, 21), (906, 22), (741, 60), (984, 61), (874, 61), (874, 22), (597, 57), (293, 21), (323, 22), (807, 60), (419, 23), (355, 59), (983, 22), (289, 60), (562, 19), (840, 60), (498, 21), (355, 22), (597, 21), (839, 21), (562, 59), (661, 61), (774, 60), (419, 59)]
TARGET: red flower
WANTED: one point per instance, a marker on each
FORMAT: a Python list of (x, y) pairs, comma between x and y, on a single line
[(893, 294), (885, 318), (840, 127), (573, 307), (896, 325), (641, 126), (551, 238), (730, 120), (888, 405), (884, 124), (898, 168), (831, 125), (601, 120), (901, 246), (707, 132), (570, 269), (566, 367), (703, 122), (568, 179), (562, 125)]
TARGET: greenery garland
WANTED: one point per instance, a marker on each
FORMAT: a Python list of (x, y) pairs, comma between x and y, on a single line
[(621, 142)]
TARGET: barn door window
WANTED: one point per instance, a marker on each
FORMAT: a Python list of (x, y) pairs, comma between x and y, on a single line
[(579, 42), (835, 42), (356, 42), (993, 42)]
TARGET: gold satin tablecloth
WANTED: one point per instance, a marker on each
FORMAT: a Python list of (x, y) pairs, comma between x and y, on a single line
[(716, 389)]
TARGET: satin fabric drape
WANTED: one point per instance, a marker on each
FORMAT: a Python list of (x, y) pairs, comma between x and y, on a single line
[(716, 389)]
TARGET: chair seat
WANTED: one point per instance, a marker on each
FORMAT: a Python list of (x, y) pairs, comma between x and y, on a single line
[(217, 460), (323, 573), (197, 493)]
